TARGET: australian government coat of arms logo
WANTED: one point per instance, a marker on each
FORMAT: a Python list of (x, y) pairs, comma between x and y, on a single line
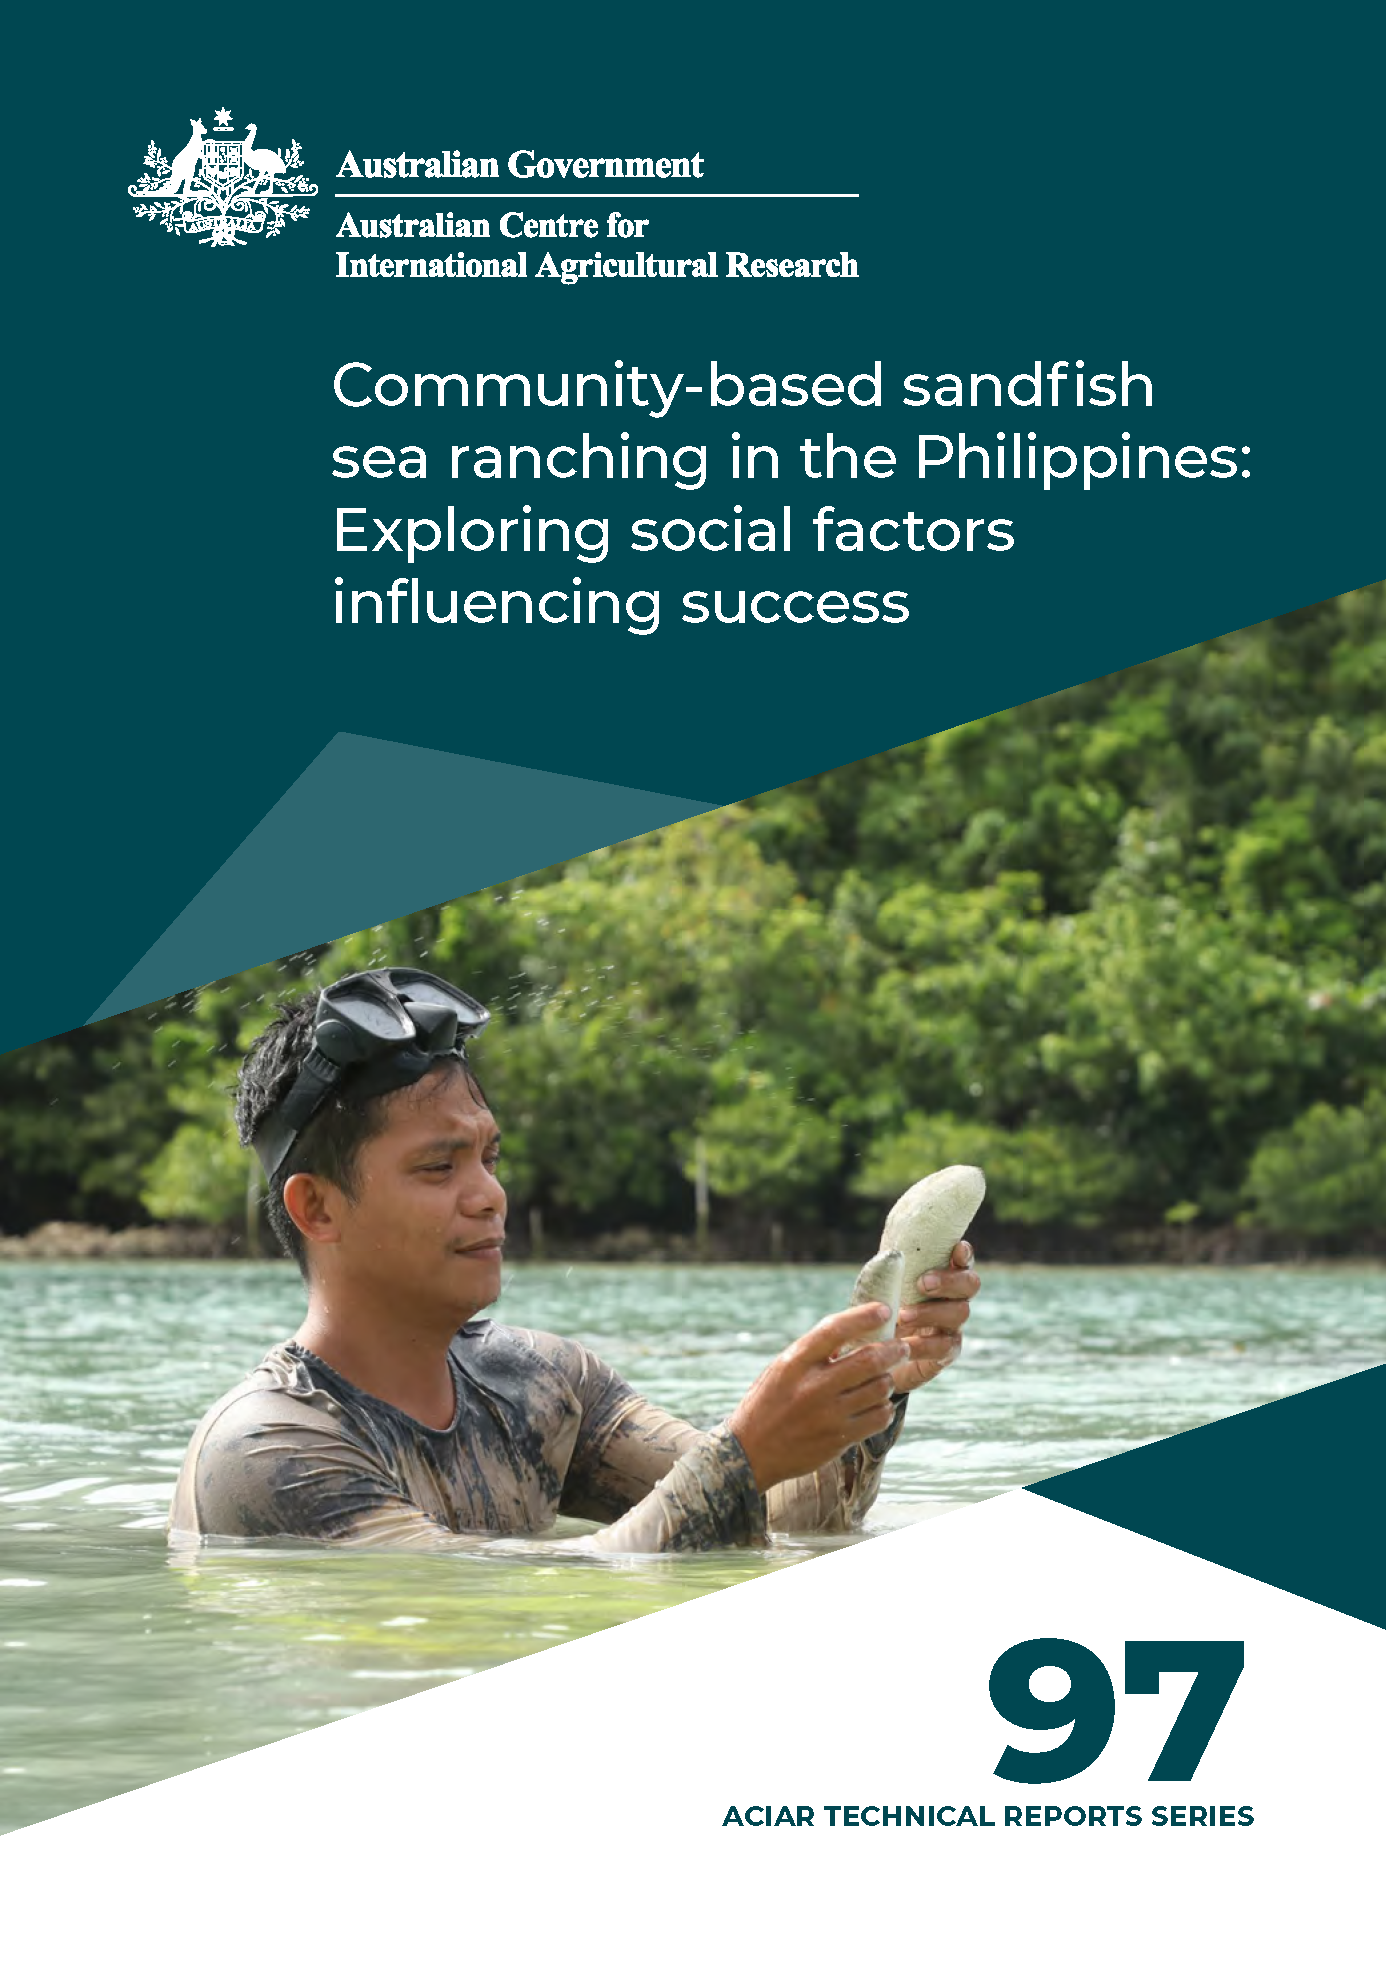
[(223, 190)]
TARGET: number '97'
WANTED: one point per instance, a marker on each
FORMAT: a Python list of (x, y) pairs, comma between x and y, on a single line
[(1089, 1703)]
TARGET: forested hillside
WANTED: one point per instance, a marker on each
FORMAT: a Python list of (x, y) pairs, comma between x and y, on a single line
[(1124, 946)]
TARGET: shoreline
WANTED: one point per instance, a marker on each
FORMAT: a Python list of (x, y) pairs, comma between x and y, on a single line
[(1182, 1245)]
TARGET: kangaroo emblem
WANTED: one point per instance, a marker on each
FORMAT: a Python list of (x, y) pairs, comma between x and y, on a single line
[(186, 163)]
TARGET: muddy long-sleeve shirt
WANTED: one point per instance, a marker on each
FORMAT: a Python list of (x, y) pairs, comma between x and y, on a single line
[(542, 1427)]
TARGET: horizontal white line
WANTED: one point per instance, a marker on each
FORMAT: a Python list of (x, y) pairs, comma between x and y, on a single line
[(619, 190)]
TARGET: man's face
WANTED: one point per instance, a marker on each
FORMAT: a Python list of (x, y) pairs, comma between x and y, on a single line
[(427, 1224)]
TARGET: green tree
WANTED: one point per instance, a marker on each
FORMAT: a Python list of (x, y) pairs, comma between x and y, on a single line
[(1124, 945), (1325, 1176)]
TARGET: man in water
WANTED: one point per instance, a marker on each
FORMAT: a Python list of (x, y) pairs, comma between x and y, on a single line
[(398, 1416)]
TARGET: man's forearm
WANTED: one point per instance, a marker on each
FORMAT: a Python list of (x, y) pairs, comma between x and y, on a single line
[(837, 1497), (707, 1499)]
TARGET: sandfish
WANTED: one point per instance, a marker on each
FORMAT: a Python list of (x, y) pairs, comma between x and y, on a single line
[(920, 1232)]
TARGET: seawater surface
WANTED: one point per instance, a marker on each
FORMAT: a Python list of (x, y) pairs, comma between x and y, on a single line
[(118, 1667)]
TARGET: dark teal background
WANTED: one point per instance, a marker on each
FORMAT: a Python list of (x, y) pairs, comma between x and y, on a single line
[(1289, 1493), (1197, 190)]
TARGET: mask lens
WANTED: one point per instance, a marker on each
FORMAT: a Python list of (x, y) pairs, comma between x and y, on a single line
[(422, 989), (367, 1012)]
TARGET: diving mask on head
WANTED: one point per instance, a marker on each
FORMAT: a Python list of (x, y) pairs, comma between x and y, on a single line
[(382, 1029)]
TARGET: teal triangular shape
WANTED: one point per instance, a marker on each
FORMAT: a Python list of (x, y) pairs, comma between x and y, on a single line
[(370, 830), (1289, 1493)]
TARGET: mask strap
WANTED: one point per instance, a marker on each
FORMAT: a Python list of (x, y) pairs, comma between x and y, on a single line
[(317, 1078)]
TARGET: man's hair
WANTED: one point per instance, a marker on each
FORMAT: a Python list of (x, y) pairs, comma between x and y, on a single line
[(333, 1139)]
